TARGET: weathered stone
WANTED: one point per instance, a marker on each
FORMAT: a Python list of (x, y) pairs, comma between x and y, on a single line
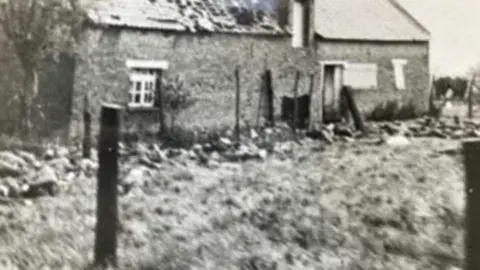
[(262, 153), (342, 130), (157, 154), (29, 158), (4, 191), (13, 159), (62, 152), (253, 134), (88, 165), (46, 174), (457, 134), (438, 133), (49, 154), (8, 169), (136, 177), (42, 189), (61, 164), (397, 140), (215, 156)]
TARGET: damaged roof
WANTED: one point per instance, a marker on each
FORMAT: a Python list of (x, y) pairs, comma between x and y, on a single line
[(384, 20), (237, 16)]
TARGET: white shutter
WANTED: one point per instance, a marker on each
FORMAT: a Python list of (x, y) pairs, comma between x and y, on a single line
[(361, 75), (398, 68)]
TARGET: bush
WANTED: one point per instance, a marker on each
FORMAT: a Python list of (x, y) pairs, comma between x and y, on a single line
[(395, 110)]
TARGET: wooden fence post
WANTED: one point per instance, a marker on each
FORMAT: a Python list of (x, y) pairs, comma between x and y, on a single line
[(432, 96), (107, 212), (261, 100), (347, 94), (470, 94), (161, 103), (269, 98), (471, 152), (87, 129), (237, 103), (295, 105)]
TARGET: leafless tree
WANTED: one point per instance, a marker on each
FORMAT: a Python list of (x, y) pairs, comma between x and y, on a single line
[(35, 29)]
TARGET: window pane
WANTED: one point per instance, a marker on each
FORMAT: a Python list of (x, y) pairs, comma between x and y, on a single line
[(137, 98), (138, 86)]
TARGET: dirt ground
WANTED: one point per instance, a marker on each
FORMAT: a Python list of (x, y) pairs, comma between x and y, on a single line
[(342, 206)]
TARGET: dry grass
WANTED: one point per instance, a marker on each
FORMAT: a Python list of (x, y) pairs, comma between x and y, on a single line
[(350, 206)]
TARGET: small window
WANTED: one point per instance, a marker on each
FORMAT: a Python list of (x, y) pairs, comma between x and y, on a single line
[(142, 94), (143, 81), (360, 75), (300, 23), (399, 71)]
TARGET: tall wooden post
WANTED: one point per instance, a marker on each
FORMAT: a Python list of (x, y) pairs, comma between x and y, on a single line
[(107, 212), (237, 103), (470, 95), (261, 100), (161, 103), (471, 152), (432, 96), (295, 105), (269, 98), (87, 129)]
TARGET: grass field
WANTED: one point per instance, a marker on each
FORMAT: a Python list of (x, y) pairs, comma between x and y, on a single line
[(344, 206)]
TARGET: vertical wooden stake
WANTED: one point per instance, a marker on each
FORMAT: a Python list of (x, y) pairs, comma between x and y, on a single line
[(269, 98), (237, 103), (470, 94), (310, 95), (295, 105), (107, 212), (87, 129), (161, 103), (261, 100), (432, 96), (471, 152)]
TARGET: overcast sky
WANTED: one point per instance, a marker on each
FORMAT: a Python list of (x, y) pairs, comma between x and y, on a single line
[(455, 29)]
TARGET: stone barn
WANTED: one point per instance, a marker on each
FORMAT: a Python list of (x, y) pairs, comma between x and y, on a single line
[(375, 46)]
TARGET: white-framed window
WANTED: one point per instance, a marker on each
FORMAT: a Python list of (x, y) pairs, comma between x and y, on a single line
[(143, 79), (361, 75), (142, 89), (399, 71), (300, 23)]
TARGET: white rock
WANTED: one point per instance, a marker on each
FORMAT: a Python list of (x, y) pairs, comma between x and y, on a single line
[(397, 141), (226, 141), (262, 153), (49, 153), (215, 156), (70, 177), (62, 152), (253, 134), (137, 176), (197, 147), (4, 191), (46, 174), (12, 159)]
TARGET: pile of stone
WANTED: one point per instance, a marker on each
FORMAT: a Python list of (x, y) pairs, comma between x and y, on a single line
[(23, 174), (448, 128)]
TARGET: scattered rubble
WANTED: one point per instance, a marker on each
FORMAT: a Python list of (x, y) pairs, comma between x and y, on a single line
[(23, 174)]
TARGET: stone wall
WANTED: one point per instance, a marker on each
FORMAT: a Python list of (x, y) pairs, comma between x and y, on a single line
[(207, 63), (416, 71)]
